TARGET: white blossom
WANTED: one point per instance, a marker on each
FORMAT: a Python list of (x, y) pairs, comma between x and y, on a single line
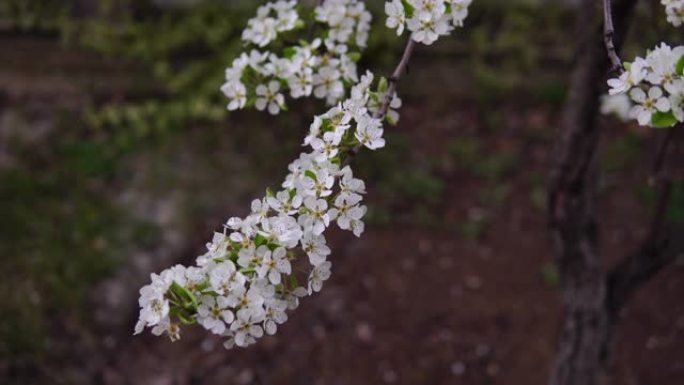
[(213, 314), (273, 265), (269, 97), (318, 275), (647, 104)]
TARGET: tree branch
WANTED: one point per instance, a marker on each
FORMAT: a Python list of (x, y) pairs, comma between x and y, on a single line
[(608, 34), (401, 67), (662, 245), (656, 253)]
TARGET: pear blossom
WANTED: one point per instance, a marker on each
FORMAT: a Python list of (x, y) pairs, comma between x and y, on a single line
[(315, 247), (273, 265), (674, 9), (212, 313), (285, 203), (269, 97), (316, 217), (677, 105), (346, 210), (647, 104), (369, 133), (618, 105), (246, 330), (318, 275), (396, 16), (275, 315)]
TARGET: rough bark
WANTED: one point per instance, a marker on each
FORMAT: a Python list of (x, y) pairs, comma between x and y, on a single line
[(585, 330)]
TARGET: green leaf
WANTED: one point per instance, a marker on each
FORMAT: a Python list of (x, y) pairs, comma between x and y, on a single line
[(294, 282), (663, 119), (383, 85), (408, 8), (260, 240), (269, 192), (188, 299), (390, 120), (289, 52), (185, 319), (354, 56), (311, 175), (680, 66)]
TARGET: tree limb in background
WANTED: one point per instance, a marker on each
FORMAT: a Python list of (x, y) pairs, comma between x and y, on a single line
[(571, 208)]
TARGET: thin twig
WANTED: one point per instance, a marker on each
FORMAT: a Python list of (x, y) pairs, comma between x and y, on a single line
[(608, 35), (391, 90)]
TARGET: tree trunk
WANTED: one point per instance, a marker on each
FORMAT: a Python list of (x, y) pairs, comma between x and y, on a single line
[(582, 348)]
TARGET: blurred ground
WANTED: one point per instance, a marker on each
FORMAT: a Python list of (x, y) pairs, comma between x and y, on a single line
[(116, 160)]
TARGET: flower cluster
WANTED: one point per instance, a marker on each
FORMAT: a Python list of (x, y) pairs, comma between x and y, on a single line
[(655, 86), (244, 284), (324, 67), (271, 19), (674, 9), (427, 20)]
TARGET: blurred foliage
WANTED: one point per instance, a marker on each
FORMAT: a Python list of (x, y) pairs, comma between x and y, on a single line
[(675, 211), (622, 153), (60, 234), (44, 15)]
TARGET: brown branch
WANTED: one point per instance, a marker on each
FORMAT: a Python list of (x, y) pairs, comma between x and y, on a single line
[(401, 67), (637, 268), (662, 245), (608, 35)]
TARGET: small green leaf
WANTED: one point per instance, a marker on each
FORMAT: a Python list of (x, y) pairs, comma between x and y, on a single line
[(289, 52), (680, 66), (354, 56), (663, 119), (188, 299), (383, 85), (269, 192), (408, 8), (260, 240), (294, 282), (390, 119), (185, 319), (311, 175)]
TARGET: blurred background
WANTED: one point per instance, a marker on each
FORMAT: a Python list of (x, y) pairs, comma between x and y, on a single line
[(118, 159)]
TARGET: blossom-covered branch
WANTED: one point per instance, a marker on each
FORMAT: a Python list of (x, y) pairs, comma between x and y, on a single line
[(248, 279), (651, 90)]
